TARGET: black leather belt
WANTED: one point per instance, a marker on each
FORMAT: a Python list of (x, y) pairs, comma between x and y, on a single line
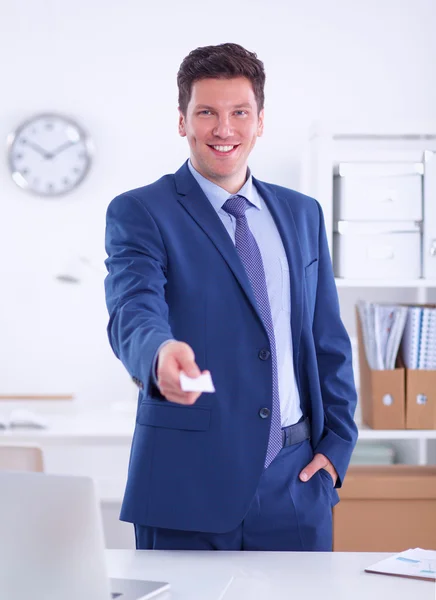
[(294, 434)]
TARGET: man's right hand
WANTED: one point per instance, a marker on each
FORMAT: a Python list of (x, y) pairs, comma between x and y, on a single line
[(173, 358)]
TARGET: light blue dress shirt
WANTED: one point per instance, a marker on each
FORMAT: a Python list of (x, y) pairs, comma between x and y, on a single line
[(276, 268)]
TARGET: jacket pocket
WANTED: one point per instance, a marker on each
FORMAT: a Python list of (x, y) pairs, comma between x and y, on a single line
[(173, 417)]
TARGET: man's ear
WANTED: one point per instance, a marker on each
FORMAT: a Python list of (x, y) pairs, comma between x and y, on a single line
[(182, 130), (260, 124)]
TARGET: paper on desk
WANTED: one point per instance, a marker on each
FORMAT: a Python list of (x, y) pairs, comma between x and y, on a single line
[(203, 383), (26, 419), (415, 563)]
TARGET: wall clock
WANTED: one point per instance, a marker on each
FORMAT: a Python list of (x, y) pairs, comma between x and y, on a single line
[(49, 154)]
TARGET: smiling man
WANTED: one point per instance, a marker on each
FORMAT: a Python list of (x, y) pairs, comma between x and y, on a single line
[(222, 122), (210, 269)]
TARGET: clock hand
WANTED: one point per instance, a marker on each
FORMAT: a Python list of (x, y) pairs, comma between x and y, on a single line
[(62, 147), (38, 149)]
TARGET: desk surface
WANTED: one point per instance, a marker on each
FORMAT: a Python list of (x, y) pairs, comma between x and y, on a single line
[(266, 575), (82, 428)]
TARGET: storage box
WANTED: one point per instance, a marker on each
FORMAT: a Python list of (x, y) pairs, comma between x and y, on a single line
[(421, 400), (382, 393), (377, 251), (386, 509), (378, 192)]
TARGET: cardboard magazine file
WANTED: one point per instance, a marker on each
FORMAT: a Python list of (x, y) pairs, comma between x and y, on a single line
[(382, 393), (386, 509), (420, 394), (420, 399)]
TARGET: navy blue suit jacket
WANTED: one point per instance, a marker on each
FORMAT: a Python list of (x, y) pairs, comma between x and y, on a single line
[(174, 272)]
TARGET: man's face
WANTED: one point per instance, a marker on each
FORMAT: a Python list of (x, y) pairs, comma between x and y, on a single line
[(221, 125)]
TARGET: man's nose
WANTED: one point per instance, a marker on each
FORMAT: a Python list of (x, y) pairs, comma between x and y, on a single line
[(223, 128)]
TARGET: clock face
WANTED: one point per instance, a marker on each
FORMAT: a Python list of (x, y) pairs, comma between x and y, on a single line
[(49, 155)]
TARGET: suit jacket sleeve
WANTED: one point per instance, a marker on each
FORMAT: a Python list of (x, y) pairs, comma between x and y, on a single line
[(135, 286), (334, 359)]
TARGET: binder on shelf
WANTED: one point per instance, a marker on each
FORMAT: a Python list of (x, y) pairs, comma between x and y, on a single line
[(410, 341), (421, 371), (382, 392)]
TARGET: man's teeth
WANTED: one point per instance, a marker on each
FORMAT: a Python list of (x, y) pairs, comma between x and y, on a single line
[(223, 148)]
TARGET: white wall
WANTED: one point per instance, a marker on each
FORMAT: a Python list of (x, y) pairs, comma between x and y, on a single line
[(112, 65)]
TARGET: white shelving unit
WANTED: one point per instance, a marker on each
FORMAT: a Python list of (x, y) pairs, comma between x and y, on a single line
[(414, 447), (387, 283), (327, 146)]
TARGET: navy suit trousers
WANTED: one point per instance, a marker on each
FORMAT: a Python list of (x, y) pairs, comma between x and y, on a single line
[(285, 514)]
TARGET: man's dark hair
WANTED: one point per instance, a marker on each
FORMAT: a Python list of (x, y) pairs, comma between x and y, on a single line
[(224, 61)]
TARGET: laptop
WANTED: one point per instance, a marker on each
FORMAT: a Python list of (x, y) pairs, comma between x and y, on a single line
[(52, 545)]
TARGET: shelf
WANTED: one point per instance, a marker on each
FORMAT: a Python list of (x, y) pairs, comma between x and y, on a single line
[(385, 283), (366, 433)]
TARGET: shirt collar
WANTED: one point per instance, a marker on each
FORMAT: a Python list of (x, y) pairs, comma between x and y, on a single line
[(217, 195)]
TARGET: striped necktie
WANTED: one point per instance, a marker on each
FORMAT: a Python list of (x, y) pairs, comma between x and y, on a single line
[(251, 258)]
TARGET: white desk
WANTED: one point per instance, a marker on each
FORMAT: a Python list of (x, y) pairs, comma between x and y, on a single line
[(266, 575), (77, 442), (81, 428)]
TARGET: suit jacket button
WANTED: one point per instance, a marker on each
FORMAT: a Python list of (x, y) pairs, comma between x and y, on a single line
[(264, 354), (264, 413)]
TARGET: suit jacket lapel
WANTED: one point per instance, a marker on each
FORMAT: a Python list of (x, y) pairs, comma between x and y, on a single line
[(191, 196), (281, 211)]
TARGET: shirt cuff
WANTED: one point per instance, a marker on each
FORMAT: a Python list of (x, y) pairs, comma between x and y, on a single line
[(154, 367)]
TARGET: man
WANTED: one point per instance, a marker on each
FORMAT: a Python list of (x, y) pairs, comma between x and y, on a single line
[(212, 270)]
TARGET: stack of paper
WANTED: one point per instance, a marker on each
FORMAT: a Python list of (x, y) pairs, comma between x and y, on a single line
[(418, 347), (373, 454), (415, 563), (382, 330), (22, 418)]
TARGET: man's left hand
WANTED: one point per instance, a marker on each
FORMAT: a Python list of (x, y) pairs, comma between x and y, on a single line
[(319, 461)]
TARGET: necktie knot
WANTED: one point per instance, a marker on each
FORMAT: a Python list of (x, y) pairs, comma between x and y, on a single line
[(236, 206)]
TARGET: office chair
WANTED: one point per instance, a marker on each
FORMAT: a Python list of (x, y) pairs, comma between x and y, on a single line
[(21, 458)]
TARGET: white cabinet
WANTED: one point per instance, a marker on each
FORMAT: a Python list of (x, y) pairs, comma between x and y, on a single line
[(376, 176), (383, 179), (429, 234)]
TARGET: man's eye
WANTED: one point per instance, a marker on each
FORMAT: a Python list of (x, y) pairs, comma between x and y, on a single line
[(205, 112), (241, 112)]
